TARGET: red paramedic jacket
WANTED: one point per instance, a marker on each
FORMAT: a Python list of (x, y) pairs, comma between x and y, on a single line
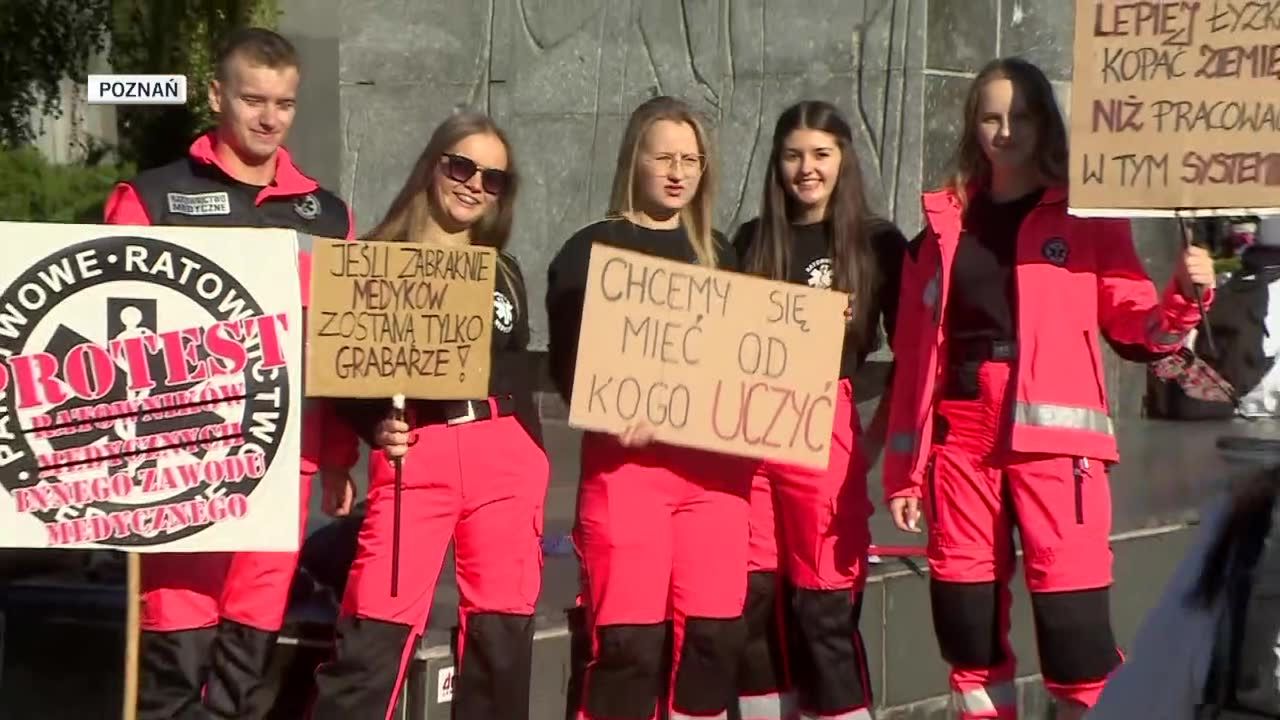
[(1076, 278), (327, 442)]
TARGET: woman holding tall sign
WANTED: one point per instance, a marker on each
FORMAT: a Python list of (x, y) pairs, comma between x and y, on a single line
[(661, 530), (810, 527), (476, 473), (999, 412)]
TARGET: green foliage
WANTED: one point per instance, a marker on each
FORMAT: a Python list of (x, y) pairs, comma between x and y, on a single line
[(180, 37), (34, 190), (41, 43), (1227, 264)]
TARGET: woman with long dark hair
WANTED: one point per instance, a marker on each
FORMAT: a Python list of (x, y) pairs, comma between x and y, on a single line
[(809, 528), (999, 412), (476, 475), (661, 530)]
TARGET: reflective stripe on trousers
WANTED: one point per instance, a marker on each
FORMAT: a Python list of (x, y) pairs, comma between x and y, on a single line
[(859, 714), (986, 701), (677, 715), (774, 706)]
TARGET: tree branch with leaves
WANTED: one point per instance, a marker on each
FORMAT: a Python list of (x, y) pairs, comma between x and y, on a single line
[(180, 37), (42, 43)]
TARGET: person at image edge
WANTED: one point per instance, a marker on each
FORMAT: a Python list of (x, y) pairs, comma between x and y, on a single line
[(210, 620), (999, 413), (810, 530), (474, 471), (661, 530)]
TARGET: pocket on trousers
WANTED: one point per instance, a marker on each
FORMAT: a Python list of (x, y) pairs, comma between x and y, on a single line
[(843, 535), (822, 554), (531, 580)]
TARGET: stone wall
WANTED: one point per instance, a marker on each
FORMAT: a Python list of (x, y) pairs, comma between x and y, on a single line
[(562, 75)]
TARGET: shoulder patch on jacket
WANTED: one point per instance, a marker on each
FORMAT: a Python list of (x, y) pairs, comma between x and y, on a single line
[(1056, 251)]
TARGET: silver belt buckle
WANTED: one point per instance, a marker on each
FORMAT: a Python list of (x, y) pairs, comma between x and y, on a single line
[(460, 419)]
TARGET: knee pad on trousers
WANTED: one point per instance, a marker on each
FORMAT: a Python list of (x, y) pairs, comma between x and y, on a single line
[(1073, 633), (827, 655), (363, 678), (762, 670), (496, 663), (626, 677), (171, 671), (238, 664), (708, 652), (966, 619)]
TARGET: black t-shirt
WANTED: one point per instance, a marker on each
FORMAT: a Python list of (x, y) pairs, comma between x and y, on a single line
[(981, 301), (567, 281), (811, 264), (510, 368), (511, 372)]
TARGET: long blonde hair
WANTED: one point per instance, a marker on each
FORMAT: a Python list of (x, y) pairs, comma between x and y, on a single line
[(696, 216), (410, 213)]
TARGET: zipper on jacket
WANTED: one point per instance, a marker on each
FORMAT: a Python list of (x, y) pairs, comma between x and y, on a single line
[(1079, 465)]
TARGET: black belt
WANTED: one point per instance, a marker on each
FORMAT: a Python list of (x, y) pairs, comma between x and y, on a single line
[(460, 412), (978, 351), (965, 358)]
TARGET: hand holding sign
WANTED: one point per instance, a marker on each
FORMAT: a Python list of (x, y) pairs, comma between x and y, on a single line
[(707, 358), (638, 435)]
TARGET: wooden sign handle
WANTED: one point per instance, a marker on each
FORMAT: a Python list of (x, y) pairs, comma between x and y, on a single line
[(132, 631)]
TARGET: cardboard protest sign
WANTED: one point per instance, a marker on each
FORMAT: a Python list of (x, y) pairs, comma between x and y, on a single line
[(396, 317), (149, 388), (712, 359), (1175, 105)]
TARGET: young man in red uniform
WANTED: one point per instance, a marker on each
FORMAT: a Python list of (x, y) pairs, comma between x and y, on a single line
[(210, 620)]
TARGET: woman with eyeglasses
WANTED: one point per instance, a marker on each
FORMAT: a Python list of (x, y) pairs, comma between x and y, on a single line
[(476, 474), (661, 531)]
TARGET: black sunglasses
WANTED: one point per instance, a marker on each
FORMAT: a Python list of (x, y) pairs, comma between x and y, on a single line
[(460, 168)]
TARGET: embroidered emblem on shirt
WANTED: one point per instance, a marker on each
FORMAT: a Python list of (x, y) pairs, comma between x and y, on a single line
[(307, 207), (213, 203), (1055, 250), (504, 313), (819, 273)]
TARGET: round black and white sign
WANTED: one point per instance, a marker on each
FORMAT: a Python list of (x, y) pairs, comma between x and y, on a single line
[(146, 392)]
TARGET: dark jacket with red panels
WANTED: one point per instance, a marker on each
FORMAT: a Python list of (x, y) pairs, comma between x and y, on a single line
[(199, 191), (1078, 280)]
